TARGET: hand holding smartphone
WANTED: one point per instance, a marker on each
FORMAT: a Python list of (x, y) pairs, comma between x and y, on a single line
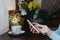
[(32, 25)]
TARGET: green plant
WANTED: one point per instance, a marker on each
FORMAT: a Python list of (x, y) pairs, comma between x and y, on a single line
[(34, 10)]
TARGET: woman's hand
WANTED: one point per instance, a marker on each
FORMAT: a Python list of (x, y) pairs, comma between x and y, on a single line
[(41, 28)]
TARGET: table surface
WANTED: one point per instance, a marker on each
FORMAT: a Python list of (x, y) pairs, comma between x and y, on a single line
[(24, 36)]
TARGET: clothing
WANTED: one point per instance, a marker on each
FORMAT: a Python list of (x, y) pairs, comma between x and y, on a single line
[(55, 34)]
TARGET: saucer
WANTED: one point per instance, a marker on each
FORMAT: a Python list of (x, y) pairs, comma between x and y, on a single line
[(10, 32)]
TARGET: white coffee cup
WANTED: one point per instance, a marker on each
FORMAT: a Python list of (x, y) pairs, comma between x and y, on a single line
[(16, 29)]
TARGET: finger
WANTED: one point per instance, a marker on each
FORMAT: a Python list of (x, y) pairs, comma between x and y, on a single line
[(30, 26), (33, 30), (34, 23), (36, 32), (38, 26)]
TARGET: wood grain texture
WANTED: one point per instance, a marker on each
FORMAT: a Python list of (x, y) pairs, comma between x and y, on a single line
[(6, 36)]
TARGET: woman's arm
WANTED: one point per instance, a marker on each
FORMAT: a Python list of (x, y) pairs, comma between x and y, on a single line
[(54, 36), (58, 30)]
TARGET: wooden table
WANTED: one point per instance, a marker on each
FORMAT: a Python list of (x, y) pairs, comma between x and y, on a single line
[(24, 36)]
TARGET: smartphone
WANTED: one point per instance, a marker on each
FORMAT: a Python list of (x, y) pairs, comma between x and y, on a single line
[(32, 25)]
